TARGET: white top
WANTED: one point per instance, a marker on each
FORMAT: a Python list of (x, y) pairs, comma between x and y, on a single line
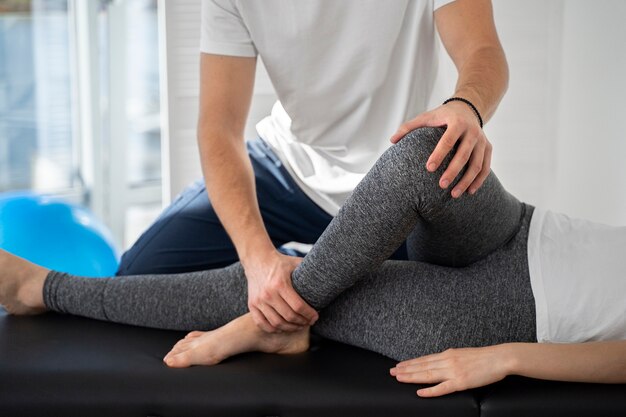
[(347, 73), (578, 277)]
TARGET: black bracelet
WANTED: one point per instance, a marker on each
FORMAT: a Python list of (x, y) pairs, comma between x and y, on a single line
[(469, 103)]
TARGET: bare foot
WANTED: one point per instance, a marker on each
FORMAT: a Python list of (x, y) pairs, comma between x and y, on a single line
[(239, 336), (21, 285)]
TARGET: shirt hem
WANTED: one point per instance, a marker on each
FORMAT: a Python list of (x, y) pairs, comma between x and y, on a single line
[(229, 49), (318, 200), (536, 276), (440, 3)]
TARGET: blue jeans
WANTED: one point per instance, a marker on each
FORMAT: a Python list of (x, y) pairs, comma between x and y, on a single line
[(188, 235)]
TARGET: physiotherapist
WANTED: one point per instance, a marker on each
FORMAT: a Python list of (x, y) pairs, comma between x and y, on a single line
[(352, 77)]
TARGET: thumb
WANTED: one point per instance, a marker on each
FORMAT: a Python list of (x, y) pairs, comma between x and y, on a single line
[(421, 120)]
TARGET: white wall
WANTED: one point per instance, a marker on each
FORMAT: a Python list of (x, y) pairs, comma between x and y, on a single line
[(557, 135), (179, 60), (522, 128), (590, 177)]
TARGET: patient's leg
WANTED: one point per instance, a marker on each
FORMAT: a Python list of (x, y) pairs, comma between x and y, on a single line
[(203, 301), (407, 309), (400, 198), (396, 197), (402, 310), (188, 301)]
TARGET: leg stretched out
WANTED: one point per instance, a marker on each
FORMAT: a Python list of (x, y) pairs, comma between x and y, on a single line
[(402, 309)]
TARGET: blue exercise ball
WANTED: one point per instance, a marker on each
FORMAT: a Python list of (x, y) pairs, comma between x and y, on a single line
[(57, 235)]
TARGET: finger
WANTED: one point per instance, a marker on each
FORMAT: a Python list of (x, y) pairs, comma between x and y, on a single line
[(259, 319), (462, 155), (443, 148), (419, 367), (427, 376), (290, 327), (424, 119), (474, 166), (443, 388), (297, 304), (276, 320), (480, 179), (287, 313), (406, 128)]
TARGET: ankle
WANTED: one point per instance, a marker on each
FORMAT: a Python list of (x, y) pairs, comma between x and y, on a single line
[(31, 292), (286, 342)]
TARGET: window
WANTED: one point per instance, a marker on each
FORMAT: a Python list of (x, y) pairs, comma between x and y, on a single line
[(37, 149), (79, 105), (137, 22)]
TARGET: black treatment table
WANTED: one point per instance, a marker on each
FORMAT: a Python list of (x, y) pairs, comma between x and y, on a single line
[(64, 366)]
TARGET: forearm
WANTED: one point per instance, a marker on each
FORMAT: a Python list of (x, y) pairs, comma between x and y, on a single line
[(580, 362), (231, 186), (226, 85), (468, 32), (230, 183), (483, 79)]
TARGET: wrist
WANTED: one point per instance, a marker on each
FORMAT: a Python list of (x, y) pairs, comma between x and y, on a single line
[(468, 105), (475, 98), (510, 358), (257, 251)]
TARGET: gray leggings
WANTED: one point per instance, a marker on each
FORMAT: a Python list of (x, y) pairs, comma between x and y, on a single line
[(467, 283)]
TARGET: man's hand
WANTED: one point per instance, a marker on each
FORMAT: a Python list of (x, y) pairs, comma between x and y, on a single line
[(226, 85), (474, 149), (469, 35), (274, 304), (455, 369)]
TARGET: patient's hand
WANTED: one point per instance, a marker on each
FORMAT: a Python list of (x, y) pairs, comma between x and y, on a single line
[(272, 300), (460, 369), (455, 369)]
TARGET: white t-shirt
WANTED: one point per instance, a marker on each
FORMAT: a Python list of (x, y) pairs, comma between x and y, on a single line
[(578, 277), (347, 73)]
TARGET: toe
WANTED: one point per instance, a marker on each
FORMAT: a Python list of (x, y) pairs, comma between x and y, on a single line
[(176, 349), (180, 360), (182, 343), (179, 347)]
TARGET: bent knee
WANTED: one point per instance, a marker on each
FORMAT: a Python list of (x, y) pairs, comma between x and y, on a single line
[(415, 148)]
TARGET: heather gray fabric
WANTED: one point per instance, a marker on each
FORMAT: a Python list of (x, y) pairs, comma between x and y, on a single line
[(408, 309), (399, 198), (188, 301), (468, 284)]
